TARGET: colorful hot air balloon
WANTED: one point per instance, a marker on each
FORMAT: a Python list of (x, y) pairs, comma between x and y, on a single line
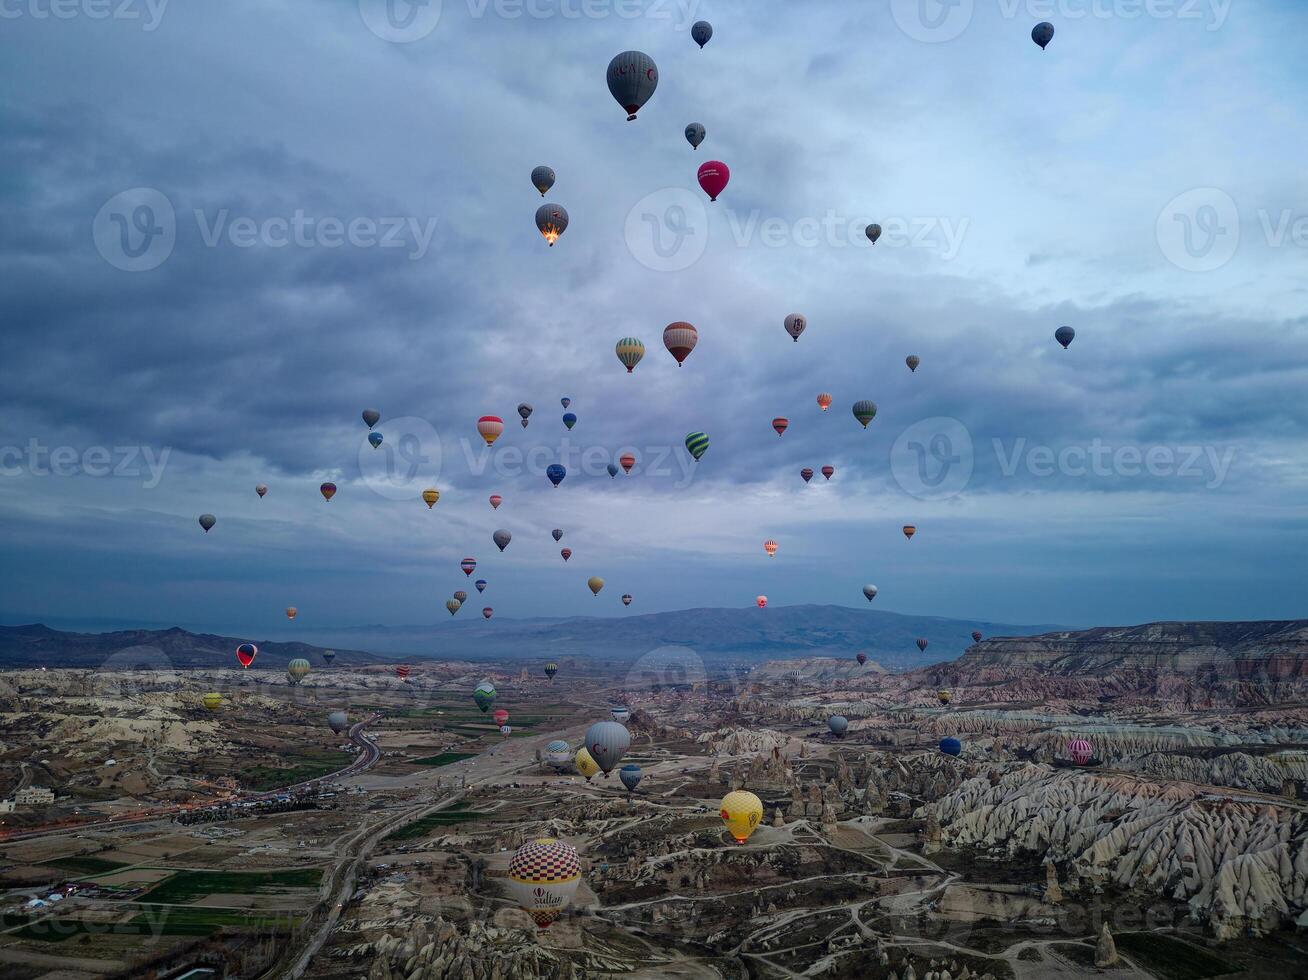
[(487, 612), (824, 401), (245, 654), (1042, 34), (796, 324), (371, 417), (585, 764), (501, 538), (944, 697), (701, 31), (770, 547), (338, 721), (506, 730), (861, 658), (806, 474), (291, 612), (557, 534), (481, 584), (697, 444), (873, 232), (1065, 336), (742, 812), (621, 713), (976, 636), (542, 178), (922, 643), (630, 776), (951, 746), (207, 521), (297, 670), (484, 695), (430, 496), (569, 420), (461, 596), (374, 439), (695, 134), (629, 350), (558, 755), (469, 565), (595, 583), (761, 601), (838, 724), (713, 177), (910, 530), (607, 742), (212, 701), (680, 339), (566, 553), (556, 472), (490, 427), (500, 716), (627, 461), (870, 591), (543, 876), (261, 490), (495, 501), (328, 490), (453, 605), (626, 600), (632, 78), (1080, 751), (912, 361), (865, 411), (551, 221), (551, 669), (828, 471), (402, 672), (781, 425)]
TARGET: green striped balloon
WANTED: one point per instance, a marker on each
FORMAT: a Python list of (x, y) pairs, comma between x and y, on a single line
[(697, 443), (865, 411), (630, 351)]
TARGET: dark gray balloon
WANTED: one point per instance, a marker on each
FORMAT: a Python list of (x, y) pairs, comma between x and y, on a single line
[(701, 32), (873, 233), (371, 416), (607, 742), (1064, 335), (695, 134), (525, 411), (502, 539), (542, 178), (838, 724), (558, 534), (632, 78), (552, 220), (1042, 33), (207, 521), (338, 721)]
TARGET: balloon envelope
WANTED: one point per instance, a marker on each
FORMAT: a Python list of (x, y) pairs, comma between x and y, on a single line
[(212, 701), (469, 565), (607, 742), (713, 175), (594, 583), (701, 31), (557, 534), (630, 776), (261, 490), (781, 425), (481, 585), (501, 538), (484, 695), (695, 134), (1065, 336), (761, 601), (865, 411), (542, 178), (1080, 751), (680, 338), (870, 591), (207, 521), (838, 724), (627, 461), (697, 444), (922, 643), (245, 654), (621, 714), (551, 221), (585, 764), (861, 658), (824, 401), (630, 350), (1042, 34), (806, 474), (374, 439), (556, 473), (371, 417), (873, 232), (796, 324), (338, 721), (543, 876), (490, 427), (569, 419), (912, 361), (430, 496), (328, 490), (297, 670), (632, 78), (626, 600), (742, 812), (453, 605), (951, 746)]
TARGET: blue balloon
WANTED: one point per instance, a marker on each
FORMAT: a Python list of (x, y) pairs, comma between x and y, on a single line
[(613, 471), (481, 585), (951, 746), (569, 420), (375, 438), (630, 776), (556, 473)]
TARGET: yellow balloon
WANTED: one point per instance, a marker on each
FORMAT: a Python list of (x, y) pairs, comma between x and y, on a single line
[(430, 497), (741, 811), (945, 697), (585, 764), (212, 701), (596, 583)]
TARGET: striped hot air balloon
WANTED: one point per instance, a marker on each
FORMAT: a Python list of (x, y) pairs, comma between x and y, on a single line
[(910, 530), (402, 672), (770, 547), (543, 877), (453, 605), (490, 427), (558, 755), (629, 350), (297, 670), (430, 496), (627, 461), (824, 401), (781, 425), (1080, 751), (806, 474), (680, 339), (630, 776), (212, 701), (697, 444), (865, 411), (484, 695), (469, 565), (828, 471)]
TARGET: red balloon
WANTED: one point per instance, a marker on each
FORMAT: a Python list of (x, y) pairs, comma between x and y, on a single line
[(501, 716), (828, 471), (713, 177), (566, 553), (780, 424), (246, 653)]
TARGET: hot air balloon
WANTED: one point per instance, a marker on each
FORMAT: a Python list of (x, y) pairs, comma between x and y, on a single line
[(607, 742), (551, 669), (595, 583), (629, 350), (557, 534), (912, 361), (469, 565), (551, 221), (328, 490), (501, 538), (632, 78), (490, 427), (212, 701), (944, 697), (569, 420), (1064, 335), (695, 134), (261, 490), (207, 521), (873, 232), (495, 501), (828, 471), (621, 713), (585, 764), (506, 730), (481, 585), (556, 472), (865, 411), (525, 410), (742, 812), (630, 776), (566, 553), (291, 612), (824, 401), (1042, 33), (870, 591), (543, 876), (910, 530), (1080, 751), (338, 721), (701, 31), (861, 658), (806, 474), (770, 547), (565, 401), (461, 596), (951, 746), (374, 439), (781, 425), (542, 178), (297, 670), (838, 724), (796, 323), (430, 496), (761, 601), (453, 605), (484, 695), (713, 177), (500, 716), (627, 461), (328, 656), (558, 755), (371, 417), (488, 612), (245, 654), (976, 636), (922, 643), (626, 600), (402, 672), (697, 444), (680, 339)]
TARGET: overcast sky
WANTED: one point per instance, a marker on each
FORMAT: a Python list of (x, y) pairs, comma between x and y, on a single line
[(229, 228)]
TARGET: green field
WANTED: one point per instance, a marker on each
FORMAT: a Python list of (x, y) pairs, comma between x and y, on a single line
[(85, 865), (444, 759), (187, 886), (263, 778), (1171, 959), (443, 818)]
